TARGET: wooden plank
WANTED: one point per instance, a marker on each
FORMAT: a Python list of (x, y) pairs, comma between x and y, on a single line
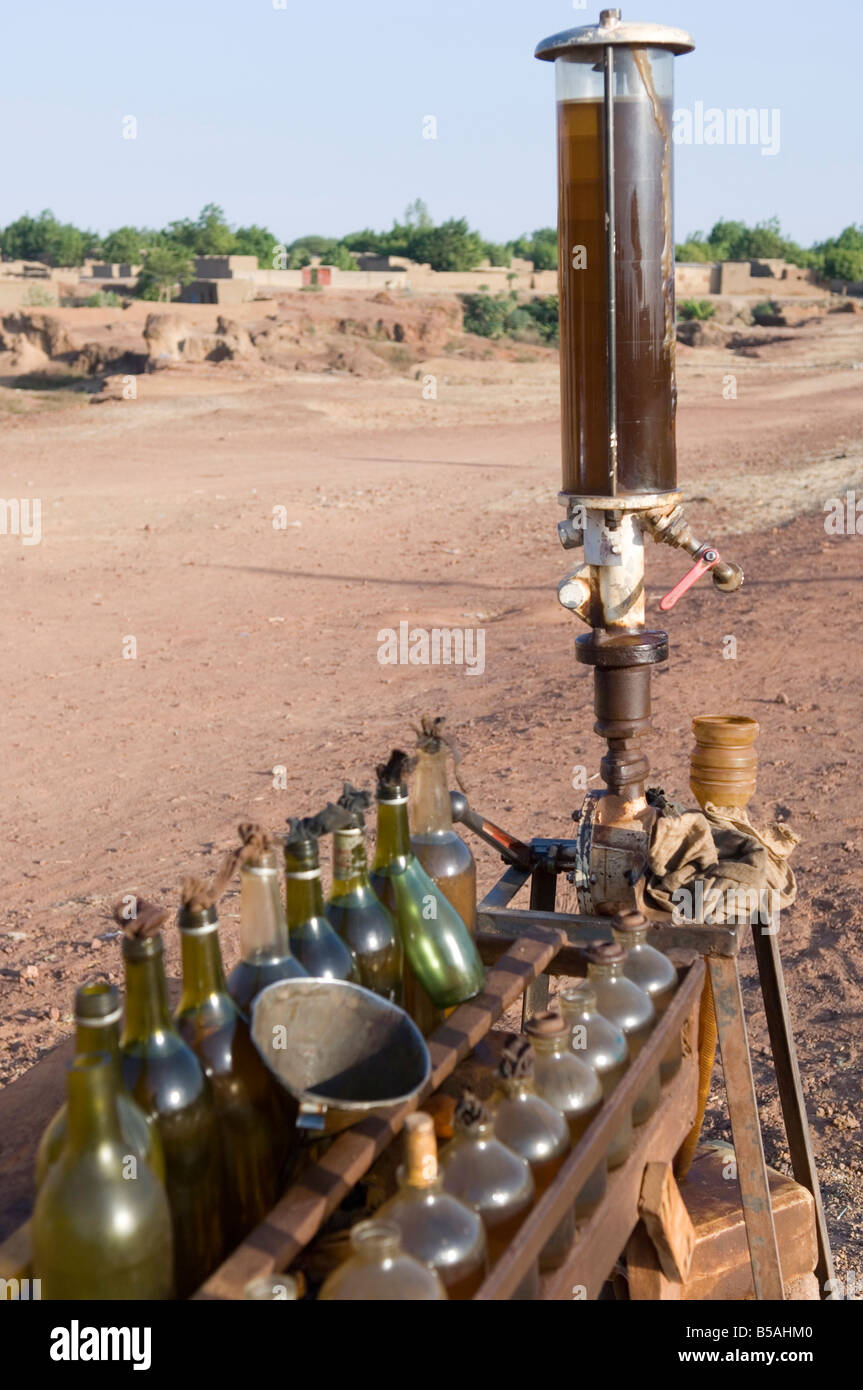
[(298, 1217), (601, 1238), (646, 1281), (667, 1221), (582, 930), (746, 1128)]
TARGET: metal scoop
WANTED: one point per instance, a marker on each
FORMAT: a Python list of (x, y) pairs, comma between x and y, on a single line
[(342, 1052)]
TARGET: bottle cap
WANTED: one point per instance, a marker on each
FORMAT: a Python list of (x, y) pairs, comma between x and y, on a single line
[(421, 1148), (549, 1024), (629, 922), (470, 1113), (605, 953)]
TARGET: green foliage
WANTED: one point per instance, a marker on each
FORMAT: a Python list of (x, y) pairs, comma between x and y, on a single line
[(696, 309), (105, 299), (734, 241), (45, 239), (765, 311), (39, 296), (540, 247), (255, 241), (842, 256), (502, 316), (451, 246), (126, 245), (165, 267)]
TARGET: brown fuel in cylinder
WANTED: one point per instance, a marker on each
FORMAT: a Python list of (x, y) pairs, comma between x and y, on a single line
[(644, 280)]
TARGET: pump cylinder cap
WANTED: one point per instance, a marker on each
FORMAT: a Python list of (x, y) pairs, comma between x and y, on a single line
[(605, 953), (549, 1024), (629, 922), (586, 43)]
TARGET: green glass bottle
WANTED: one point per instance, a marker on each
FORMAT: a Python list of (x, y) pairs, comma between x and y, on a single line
[(165, 1078), (97, 1029), (438, 947), (253, 1135), (265, 948), (101, 1226), (314, 941), (438, 847), (357, 914)]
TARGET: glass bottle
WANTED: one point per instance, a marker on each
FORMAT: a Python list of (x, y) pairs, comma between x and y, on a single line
[(603, 1046), (528, 1125), (484, 1174), (265, 950), (165, 1078), (440, 850), (253, 1134), (318, 948), (358, 915), (573, 1088), (651, 971), (380, 1270), (623, 1003), (441, 958), (97, 1029), (100, 1230), (272, 1288), (436, 1227)]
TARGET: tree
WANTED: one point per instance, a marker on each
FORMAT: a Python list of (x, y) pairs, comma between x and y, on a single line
[(417, 215), (125, 245), (256, 241), (451, 246), (45, 239), (164, 268), (540, 247), (213, 236)]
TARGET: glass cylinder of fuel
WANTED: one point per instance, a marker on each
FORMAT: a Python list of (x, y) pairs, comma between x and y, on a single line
[(614, 92)]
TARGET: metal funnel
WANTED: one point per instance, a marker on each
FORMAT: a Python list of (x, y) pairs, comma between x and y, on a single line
[(343, 1052)]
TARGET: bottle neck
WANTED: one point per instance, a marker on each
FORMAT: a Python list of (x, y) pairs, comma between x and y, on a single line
[(421, 1165), (92, 1104), (430, 810), (551, 1047), (147, 1009), (263, 930), (203, 971), (517, 1087), (304, 894), (99, 1035), (394, 840), (611, 971), (631, 940), (350, 865)]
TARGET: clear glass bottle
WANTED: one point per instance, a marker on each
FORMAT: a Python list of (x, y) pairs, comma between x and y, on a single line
[(484, 1174), (165, 1078), (272, 1288), (265, 948), (438, 847), (651, 971), (358, 915), (314, 941), (435, 1226), (440, 955), (253, 1134), (380, 1270), (536, 1130), (573, 1088), (99, 1229), (603, 1046), (97, 1029), (623, 1003)]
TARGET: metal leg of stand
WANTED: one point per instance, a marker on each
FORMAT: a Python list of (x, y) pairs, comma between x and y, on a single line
[(790, 1087), (746, 1128), (543, 894)]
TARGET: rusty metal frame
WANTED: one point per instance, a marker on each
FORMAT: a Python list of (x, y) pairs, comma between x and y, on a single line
[(719, 945)]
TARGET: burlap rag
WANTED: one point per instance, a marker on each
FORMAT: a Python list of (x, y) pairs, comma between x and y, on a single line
[(742, 869)]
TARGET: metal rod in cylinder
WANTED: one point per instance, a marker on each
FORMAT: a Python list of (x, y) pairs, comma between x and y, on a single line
[(611, 260)]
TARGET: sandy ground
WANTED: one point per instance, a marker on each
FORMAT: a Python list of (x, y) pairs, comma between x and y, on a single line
[(257, 647)]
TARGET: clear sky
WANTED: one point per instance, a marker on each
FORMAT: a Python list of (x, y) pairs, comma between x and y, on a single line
[(309, 118)]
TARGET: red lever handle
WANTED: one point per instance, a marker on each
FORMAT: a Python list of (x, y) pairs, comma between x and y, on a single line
[(706, 560)]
